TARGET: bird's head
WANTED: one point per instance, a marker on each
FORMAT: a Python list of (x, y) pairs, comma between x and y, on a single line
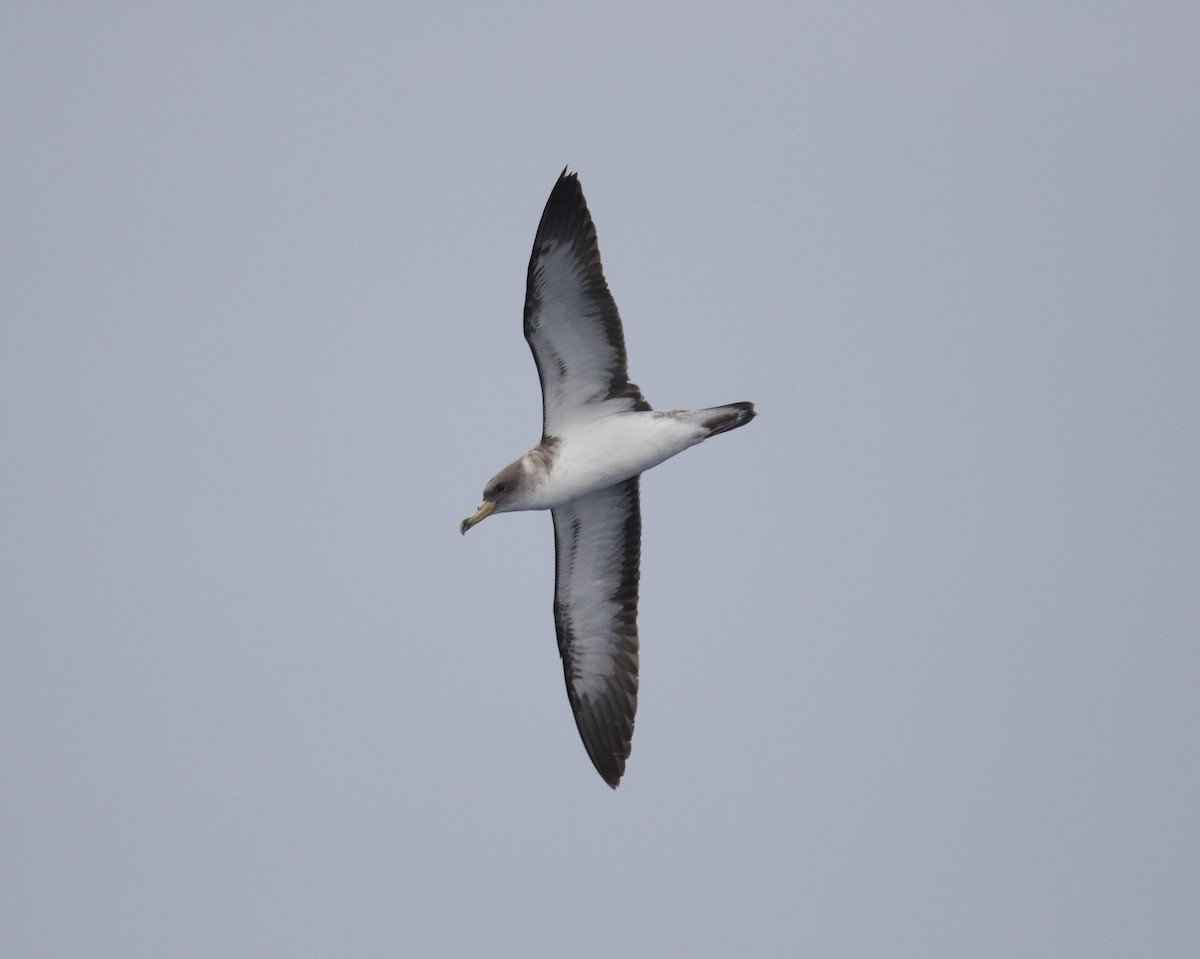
[(501, 494)]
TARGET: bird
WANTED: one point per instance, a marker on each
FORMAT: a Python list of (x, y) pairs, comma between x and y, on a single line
[(599, 434)]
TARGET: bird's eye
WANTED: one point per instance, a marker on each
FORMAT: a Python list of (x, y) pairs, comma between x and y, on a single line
[(501, 487)]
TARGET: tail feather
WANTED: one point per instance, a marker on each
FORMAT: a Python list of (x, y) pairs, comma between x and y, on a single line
[(722, 419)]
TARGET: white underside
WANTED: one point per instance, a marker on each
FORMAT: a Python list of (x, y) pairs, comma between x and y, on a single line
[(595, 454)]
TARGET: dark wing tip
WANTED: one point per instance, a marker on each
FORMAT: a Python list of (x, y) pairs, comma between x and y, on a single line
[(566, 215), (615, 742), (608, 752), (605, 722)]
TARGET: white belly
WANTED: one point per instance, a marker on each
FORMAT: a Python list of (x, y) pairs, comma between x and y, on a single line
[(610, 450)]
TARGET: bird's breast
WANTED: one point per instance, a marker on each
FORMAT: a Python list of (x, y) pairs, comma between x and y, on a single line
[(596, 455)]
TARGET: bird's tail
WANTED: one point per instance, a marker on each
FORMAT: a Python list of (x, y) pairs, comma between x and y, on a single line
[(722, 419)]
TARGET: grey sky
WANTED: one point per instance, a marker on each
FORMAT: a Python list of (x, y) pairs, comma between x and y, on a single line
[(919, 646)]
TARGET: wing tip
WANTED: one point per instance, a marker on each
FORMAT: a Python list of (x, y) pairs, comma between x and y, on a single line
[(610, 771), (608, 748)]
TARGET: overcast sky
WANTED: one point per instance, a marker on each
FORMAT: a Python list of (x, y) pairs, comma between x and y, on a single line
[(920, 646)]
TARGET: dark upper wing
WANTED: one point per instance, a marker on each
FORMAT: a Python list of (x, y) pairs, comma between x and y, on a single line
[(571, 321), (598, 544)]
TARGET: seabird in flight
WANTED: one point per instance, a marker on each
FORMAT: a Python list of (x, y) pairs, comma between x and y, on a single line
[(598, 436)]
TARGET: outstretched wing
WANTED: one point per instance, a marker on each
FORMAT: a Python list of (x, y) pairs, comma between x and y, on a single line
[(571, 321), (598, 544)]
